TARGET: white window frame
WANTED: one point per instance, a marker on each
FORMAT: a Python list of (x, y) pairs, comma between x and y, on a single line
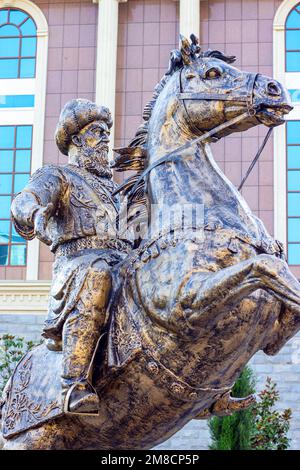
[(292, 81), (35, 116)]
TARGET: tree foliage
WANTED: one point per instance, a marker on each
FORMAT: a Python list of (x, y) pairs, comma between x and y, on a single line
[(260, 427), (12, 348), (234, 432), (271, 425)]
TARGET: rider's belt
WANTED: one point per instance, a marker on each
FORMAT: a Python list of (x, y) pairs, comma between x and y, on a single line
[(94, 242)]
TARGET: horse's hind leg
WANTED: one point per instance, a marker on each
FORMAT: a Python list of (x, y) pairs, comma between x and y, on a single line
[(204, 294)]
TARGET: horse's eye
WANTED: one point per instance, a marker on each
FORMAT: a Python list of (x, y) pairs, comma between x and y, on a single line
[(214, 72)]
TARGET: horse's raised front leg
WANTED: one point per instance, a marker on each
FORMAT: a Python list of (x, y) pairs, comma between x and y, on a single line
[(204, 294)]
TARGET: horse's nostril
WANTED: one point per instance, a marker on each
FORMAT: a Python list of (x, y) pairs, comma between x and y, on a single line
[(273, 89)]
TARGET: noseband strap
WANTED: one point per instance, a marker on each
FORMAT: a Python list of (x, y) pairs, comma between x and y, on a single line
[(246, 97)]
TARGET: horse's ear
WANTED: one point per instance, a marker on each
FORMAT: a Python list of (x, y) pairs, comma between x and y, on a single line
[(185, 50)]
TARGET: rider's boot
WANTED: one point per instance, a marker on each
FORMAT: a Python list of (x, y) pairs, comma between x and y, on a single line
[(81, 334), (80, 341)]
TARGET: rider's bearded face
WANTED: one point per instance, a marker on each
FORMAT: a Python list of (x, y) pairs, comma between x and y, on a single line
[(93, 152)]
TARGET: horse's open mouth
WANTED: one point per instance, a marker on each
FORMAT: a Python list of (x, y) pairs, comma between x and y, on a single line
[(273, 116)]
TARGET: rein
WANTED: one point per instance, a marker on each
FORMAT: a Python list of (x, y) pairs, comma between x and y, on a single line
[(173, 155)]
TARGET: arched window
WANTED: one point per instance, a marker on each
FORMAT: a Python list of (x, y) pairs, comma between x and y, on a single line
[(23, 69), (287, 138), (17, 44), (292, 40)]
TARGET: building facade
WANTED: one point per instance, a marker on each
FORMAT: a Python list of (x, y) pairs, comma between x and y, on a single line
[(115, 52)]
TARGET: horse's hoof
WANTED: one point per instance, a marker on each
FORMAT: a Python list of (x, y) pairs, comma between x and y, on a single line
[(226, 405)]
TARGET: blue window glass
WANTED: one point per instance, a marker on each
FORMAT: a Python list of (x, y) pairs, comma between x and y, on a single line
[(293, 39), (17, 39), (4, 231), (293, 154), (28, 28), (293, 61), (5, 183), (9, 30), (293, 132), (294, 253), (18, 255), (294, 204), (4, 251), (7, 137), (17, 16), (10, 47), (15, 163), (27, 69), (24, 136), (3, 16), (20, 182), (9, 68), (295, 95), (22, 163), (15, 237), (6, 161), (293, 20), (294, 230), (5, 202), (293, 180), (16, 101), (28, 47)]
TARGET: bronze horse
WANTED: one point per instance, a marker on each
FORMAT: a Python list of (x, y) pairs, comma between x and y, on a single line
[(191, 304)]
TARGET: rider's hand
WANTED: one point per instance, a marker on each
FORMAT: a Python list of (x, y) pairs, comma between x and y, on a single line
[(41, 218)]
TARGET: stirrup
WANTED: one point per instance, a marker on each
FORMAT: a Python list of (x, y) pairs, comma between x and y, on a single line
[(86, 393)]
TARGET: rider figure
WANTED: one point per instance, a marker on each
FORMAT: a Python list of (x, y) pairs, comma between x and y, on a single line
[(71, 209)]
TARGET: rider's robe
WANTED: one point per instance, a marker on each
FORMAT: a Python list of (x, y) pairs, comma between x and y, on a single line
[(81, 226)]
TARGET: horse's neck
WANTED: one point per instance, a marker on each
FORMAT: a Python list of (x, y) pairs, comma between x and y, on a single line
[(196, 179)]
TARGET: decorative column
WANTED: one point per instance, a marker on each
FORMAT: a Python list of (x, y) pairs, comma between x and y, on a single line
[(189, 17), (107, 41)]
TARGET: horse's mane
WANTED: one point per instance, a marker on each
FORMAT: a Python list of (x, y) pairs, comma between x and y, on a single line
[(133, 157)]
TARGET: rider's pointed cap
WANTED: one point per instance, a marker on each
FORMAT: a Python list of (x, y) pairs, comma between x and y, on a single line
[(75, 115)]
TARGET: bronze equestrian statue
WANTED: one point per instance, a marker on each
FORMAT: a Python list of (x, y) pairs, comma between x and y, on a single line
[(180, 315)]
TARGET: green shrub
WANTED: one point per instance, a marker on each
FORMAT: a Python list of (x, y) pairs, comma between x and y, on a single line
[(12, 348), (260, 427), (271, 426), (235, 432)]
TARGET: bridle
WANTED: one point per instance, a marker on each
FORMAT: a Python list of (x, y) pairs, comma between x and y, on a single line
[(246, 97)]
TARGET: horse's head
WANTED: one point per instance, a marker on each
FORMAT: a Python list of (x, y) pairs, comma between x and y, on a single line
[(213, 92)]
